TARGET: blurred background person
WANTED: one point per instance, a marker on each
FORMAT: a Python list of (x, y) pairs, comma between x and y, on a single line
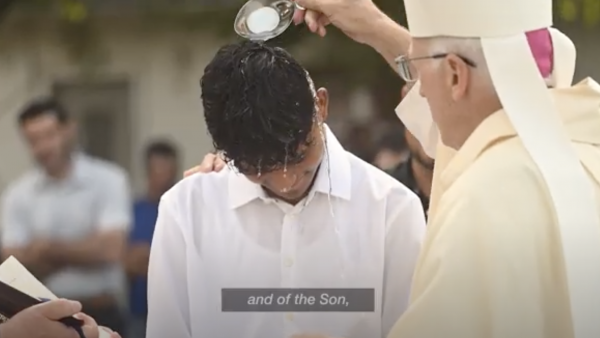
[(162, 171), (417, 171), (360, 142), (391, 150), (67, 219)]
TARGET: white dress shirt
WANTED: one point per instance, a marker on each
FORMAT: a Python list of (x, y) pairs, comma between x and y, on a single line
[(220, 230)]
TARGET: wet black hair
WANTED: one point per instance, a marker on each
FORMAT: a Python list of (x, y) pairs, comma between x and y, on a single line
[(259, 106)]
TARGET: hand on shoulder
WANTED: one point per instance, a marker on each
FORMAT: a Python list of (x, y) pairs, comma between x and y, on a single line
[(210, 163)]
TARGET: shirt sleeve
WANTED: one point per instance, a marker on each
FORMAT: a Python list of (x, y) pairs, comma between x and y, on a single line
[(480, 274), (405, 233), (115, 204), (168, 299), (15, 232)]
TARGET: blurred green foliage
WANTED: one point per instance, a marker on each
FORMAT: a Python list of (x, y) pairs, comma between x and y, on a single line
[(73, 10), (586, 12), (192, 13)]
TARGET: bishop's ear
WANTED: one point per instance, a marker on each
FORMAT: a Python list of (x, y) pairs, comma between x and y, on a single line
[(458, 76)]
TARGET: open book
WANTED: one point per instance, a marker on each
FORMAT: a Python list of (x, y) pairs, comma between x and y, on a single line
[(14, 274)]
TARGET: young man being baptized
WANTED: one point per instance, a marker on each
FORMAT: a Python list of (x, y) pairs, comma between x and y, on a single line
[(292, 209)]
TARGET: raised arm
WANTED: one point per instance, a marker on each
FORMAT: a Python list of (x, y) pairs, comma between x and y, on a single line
[(389, 39), (361, 20)]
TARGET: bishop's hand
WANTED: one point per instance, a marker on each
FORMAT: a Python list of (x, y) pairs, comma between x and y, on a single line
[(354, 17)]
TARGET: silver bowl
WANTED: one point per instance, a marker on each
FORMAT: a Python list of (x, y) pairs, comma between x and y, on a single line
[(254, 21)]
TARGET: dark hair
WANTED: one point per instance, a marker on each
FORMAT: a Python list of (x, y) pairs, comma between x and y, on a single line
[(394, 140), (259, 106), (43, 106), (162, 149)]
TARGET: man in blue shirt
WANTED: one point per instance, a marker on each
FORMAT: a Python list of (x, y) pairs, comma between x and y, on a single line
[(162, 170)]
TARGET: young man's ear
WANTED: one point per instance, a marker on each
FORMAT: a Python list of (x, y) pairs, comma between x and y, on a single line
[(322, 104)]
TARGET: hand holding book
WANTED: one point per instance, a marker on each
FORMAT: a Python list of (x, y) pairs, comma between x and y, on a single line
[(29, 309), (43, 319)]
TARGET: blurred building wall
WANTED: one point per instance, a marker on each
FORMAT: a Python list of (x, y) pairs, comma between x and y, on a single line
[(162, 72)]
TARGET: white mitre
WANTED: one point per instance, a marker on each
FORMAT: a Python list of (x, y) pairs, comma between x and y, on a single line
[(501, 26)]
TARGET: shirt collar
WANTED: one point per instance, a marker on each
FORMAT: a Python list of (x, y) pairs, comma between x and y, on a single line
[(334, 176)]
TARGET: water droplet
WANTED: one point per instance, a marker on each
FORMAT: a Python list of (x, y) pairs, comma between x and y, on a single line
[(259, 174), (285, 164), (326, 155)]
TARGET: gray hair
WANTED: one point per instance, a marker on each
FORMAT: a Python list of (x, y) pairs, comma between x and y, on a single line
[(467, 47), (470, 48)]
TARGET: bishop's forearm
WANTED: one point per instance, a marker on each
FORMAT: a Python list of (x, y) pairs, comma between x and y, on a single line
[(388, 38)]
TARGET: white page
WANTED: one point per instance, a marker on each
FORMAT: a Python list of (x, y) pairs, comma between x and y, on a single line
[(13, 273)]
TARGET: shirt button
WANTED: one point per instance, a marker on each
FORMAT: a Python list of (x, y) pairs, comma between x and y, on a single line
[(289, 316), (288, 262)]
